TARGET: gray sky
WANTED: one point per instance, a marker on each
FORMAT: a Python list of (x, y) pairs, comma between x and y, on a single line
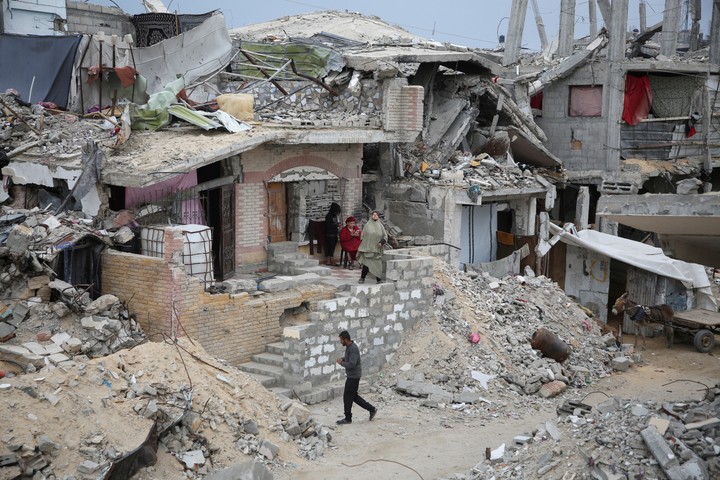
[(473, 23)]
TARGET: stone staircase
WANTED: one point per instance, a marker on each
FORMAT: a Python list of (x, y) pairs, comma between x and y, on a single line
[(284, 258), (267, 368)]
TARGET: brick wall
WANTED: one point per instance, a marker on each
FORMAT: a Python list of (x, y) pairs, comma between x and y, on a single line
[(262, 164), (166, 300), (376, 316), (90, 19), (403, 109)]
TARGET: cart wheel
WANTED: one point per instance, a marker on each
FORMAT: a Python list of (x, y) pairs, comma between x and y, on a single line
[(704, 341)]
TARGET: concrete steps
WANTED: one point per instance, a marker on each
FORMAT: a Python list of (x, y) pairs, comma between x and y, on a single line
[(317, 270), (268, 358), (277, 348), (264, 371)]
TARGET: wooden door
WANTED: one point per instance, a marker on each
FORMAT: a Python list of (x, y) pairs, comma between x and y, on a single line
[(277, 212)]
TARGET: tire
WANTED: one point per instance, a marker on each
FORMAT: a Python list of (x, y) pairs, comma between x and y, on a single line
[(704, 341)]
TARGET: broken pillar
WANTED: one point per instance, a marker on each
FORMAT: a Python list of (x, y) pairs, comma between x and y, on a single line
[(671, 25), (516, 24), (582, 208), (567, 28)]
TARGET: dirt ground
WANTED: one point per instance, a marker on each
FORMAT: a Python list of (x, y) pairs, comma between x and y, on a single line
[(407, 441)]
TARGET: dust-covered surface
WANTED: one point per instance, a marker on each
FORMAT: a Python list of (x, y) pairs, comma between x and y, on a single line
[(73, 418), (99, 410)]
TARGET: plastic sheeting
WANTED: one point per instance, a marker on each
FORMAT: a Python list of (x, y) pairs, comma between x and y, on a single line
[(39, 67), (645, 257)]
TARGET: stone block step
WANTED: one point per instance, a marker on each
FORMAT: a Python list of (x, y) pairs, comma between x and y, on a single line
[(263, 369), (322, 271), (302, 262), (267, 358), (265, 381), (278, 348), (281, 391), (281, 247), (285, 257)]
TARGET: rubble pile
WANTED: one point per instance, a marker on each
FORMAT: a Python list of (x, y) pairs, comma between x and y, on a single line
[(85, 419), (62, 134), (482, 171), (489, 324), (617, 438), (44, 321)]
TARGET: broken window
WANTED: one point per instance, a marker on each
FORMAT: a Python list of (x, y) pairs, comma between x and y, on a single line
[(585, 101)]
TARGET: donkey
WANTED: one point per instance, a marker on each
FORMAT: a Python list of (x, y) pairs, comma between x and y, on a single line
[(662, 314)]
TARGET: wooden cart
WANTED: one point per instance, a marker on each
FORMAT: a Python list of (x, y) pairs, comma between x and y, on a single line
[(701, 325)]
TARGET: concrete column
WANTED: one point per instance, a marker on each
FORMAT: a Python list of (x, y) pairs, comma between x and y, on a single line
[(643, 16), (513, 39), (614, 91), (607, 226), (715, 39), (543, 237), (567, 28), (582, 208), (592, 16), (604, 6), (540, 25), (525, 210), (696, 14), (671, 24)]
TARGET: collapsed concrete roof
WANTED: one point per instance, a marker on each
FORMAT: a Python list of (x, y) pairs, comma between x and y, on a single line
[(374, 43)]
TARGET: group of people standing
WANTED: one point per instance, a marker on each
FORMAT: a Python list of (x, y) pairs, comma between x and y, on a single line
[(364, 246)]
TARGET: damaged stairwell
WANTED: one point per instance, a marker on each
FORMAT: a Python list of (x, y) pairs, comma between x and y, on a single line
[(303, 364)]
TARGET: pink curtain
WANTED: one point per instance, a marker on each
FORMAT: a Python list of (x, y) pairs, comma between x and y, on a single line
[(585, 101), (192, 211), (638, 98)]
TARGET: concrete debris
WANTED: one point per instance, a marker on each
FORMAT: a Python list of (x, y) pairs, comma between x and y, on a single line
[(207, 427), (506, 318), (617, 443)]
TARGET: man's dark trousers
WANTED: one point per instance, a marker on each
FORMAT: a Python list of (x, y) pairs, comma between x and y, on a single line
[(350, 395)]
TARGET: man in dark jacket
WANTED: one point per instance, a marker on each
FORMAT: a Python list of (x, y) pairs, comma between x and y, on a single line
[(353, 370)]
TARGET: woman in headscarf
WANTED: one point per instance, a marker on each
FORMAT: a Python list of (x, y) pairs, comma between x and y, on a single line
[(350, 240), (332, 228), (374, 238)]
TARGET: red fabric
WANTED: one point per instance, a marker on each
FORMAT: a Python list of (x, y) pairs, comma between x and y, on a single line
[(536, 101), (126, 75), (638, 98), (350, 241)]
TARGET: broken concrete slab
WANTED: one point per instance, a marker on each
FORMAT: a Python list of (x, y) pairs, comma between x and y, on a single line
[(253, 470), (659, 448)]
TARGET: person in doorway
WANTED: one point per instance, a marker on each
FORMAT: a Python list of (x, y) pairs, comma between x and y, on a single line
[(353, 370), (374, 238), (332, 228), (350, 240)]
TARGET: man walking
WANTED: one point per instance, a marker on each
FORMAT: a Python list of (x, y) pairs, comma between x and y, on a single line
[(351, 362)]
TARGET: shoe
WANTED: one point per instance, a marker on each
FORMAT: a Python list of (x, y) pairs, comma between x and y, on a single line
[(362, 280), (372, 413), (343, 421)]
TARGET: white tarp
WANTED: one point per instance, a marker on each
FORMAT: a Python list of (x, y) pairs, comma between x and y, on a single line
[(196, 55), (645, 257)]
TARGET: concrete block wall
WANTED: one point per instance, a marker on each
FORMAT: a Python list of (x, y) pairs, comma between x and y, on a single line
[(561, 129), (376, 316), (89, 19), (403, 108), (167, 301)]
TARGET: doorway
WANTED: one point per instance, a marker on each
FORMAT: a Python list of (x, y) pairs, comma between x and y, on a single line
[(277, 212), (477, 234)]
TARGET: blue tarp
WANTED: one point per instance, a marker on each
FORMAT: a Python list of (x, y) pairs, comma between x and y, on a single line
[(46, 59)]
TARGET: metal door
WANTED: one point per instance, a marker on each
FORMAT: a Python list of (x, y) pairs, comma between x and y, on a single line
[(227, 226), (277, 212)]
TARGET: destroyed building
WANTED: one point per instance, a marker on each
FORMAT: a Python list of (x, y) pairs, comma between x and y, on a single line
[(209, 189)]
